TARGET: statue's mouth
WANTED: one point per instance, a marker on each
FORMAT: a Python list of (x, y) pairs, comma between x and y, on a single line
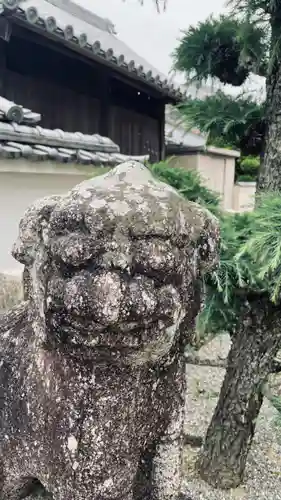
[(106, 310), (124, 335), (126, 343), (137, 317)]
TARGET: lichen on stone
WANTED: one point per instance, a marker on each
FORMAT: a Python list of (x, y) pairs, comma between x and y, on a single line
[(93, 366)]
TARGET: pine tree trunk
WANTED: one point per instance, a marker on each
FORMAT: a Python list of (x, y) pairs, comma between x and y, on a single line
[(228, 440), (269, 178)]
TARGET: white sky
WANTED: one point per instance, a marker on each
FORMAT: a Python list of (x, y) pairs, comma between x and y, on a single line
[(153, 35)]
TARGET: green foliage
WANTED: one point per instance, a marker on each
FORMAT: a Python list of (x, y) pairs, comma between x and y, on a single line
[(220, 142), (259, 7), (227, 286), (247, 168), (276, 403), (249, 164), (250, 250), (222, 304), (188, 183), (250, 262), (264, 242), (226, 48), (229, 48), (233, 121)]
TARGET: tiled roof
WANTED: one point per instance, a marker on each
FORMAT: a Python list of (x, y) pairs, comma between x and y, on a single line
[(17, 139), (86, 15), (58, 20), (176, 134), (180, 137), (9, 111)]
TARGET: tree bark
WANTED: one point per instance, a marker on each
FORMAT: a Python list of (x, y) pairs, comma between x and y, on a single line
[(269, 178), (250, 361)]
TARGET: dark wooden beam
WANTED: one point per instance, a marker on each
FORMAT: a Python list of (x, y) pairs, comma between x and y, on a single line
[(3, 53), (2, 68), (161, 125), (5, 34), (105, 101), (5, 29)]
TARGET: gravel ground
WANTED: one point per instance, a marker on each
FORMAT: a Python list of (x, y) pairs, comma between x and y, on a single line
[(263, 474), (217, 349)]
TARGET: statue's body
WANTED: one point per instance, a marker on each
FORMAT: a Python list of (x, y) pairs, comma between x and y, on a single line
[(92, 373)]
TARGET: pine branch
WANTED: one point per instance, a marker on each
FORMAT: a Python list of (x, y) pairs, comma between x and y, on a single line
[(265, 243), (249, 7), (227, 48), (234, 121)]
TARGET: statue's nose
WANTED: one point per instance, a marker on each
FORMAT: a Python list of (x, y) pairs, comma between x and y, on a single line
[(140, 300), (97, 296)]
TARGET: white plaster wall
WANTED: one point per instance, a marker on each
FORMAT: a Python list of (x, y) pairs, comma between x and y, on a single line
[(217, 169), (244, 196), (218, 172), (17, 192)]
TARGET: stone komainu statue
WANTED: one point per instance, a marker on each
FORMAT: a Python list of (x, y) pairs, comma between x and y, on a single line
[(92, 373)]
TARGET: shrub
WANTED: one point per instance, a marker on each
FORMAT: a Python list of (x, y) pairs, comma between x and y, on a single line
[(220, 142), (247, 168), (188, 183)]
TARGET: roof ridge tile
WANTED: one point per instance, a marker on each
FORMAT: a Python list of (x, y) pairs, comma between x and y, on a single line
[(93, 41)]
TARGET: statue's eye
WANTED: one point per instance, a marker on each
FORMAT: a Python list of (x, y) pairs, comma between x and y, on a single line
[(76, 249), (155, 257), (67, 218)]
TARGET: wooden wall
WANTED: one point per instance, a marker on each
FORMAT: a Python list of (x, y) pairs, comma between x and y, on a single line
[(59, 106), (138, 134), (72, 95)]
